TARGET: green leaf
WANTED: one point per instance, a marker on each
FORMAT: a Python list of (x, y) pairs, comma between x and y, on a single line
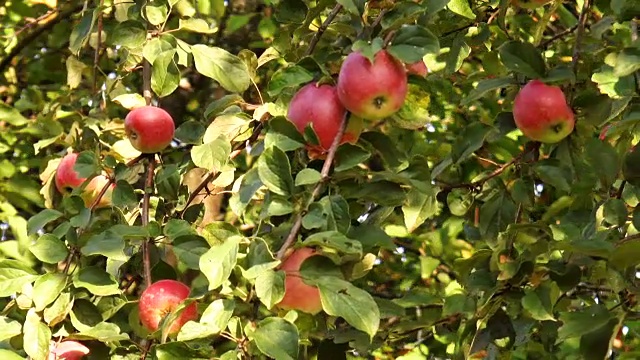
[(165, 76), (270, 287), (603, 156), (213, 155), (80, 33), (218, 313), (59, 310), (291, 11), (556, 176), (9, 355), (13, 279), (156, 14), (627, 62), (87, 164), (308, 177), (96, 280), (335, 240), (275, 171), (288, 77), (38, 221), (130, 101), (413, 42), (47, 288), (219, 105), (74, 71), (350, 6), (217, 263), (356, 306), (614, 212), (461, 7), (159, 45), (124, 195), (485, 86), (9, 328), (418, 208), (130, 34), (195, 25), (277, 338), (232, 126), (108, 244), (189, 249), (539, 302), (523, 58), (580, 322), (37, 336), (220, 65), (283, 134), (178, 350), (349, 156), (626, 254), (471, 139), (190, 132), (11, 115), (104, 332)]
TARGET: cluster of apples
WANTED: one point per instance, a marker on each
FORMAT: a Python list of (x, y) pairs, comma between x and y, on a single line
[(150, 129), (369, 90)]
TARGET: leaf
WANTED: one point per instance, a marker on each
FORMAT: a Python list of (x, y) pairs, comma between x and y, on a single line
[(270, 287), (87, 164), (461, 7), (189, 249), (583, 321), (288, 77), (349, 156), (413, 42), (38, 221), (9, 328), (59, 310), (335, 240), (627, 62), (291, 11), (96, 280), (13, 279), (47, 288), (218, 262), (213, 155), (228, 70), (539, 302), (130, 34), (350, 6), (80, 33), (218, 313), (471, 139), (108, 244), (165, 76), (275, 171), (418, 208), (130, 101), (11, 115), (74, 71), (156, 14), (219, 105), (308, 177), (231, 126), (283, 134), (523, 58), (190, 132), (104, 332), (277, 338), (603, 156), (195, 25), (356, 306), (485, 86), (37, 336)]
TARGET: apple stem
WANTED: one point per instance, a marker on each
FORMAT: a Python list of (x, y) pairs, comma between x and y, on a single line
[(146, 246), (316, 37), (324, 177)]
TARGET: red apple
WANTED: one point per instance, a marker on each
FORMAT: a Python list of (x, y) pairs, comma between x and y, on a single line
[(541, 112), (160, 299), (372, 90), (67, 350), (418, 68), (67, 178), (297, 294), (319, 106), (150, 129)]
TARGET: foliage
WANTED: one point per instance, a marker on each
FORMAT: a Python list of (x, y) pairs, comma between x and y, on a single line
[(446, 233)]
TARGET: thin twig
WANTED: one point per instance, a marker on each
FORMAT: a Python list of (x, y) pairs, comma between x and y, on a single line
[(146, 81), (324, 173), (544, 22), (582, 20), (111, 180), (628, 238), (96, 55), (365, 30), (22, 44), (558, 36), (146, 246), (316, 37)]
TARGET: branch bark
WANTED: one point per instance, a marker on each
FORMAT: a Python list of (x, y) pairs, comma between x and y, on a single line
[(316, 37), (147, 244)]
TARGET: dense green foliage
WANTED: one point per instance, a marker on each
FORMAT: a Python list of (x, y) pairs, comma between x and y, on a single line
[(446, 233)]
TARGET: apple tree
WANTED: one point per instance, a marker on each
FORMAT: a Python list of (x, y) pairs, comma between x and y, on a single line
[(290, 179)]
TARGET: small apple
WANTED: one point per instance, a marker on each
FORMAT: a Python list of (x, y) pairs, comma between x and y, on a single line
[(418, 68), (149, 128), (67, 350), (319, 106), (160, 299), (93, 189), (67, 178), (372, 90), (297, 294), (541, 112)]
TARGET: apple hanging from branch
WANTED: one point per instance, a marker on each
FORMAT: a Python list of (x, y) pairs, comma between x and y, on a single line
[(297, 294), (160, 299), (541, 112), (149, 128), (67, 179)]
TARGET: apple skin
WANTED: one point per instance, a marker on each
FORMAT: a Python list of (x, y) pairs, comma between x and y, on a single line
[(418, 68), (372, 90), (93, 188), (67, 178), (298, 295), (67, 350), (162, 297), (149, 128), (319, 105), (541, 112)]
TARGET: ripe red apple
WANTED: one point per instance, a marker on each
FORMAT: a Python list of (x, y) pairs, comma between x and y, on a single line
[(372, 90), (541, 112), (150, 129), (67, 350), (297, 294), (418, 68), (319, 106), (67, 178), (160, 299)]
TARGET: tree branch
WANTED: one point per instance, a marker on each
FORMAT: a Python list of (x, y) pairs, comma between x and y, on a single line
[(316, 37), (96, 55), (147, 244), (324, 173), (557, 36), (22, 44), (582, 20)]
